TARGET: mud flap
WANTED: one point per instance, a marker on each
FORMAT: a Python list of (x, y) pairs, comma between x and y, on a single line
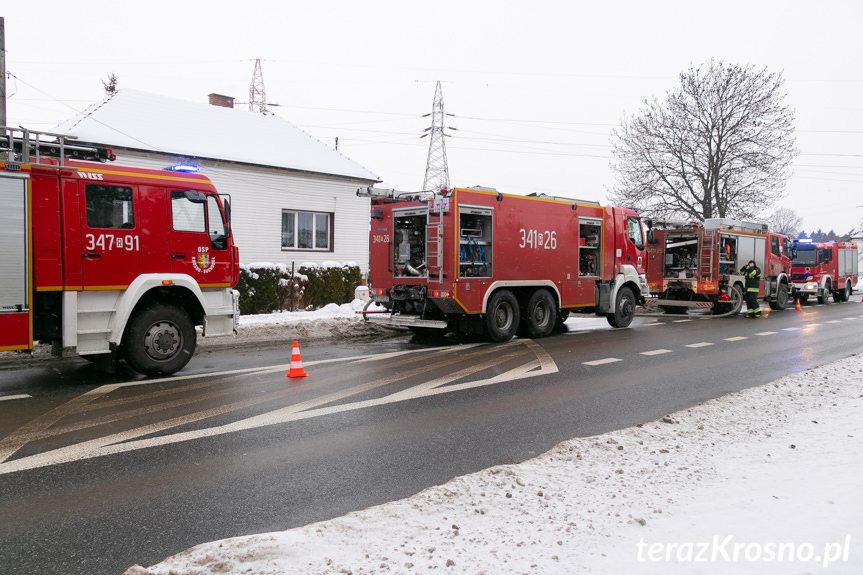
[(603, 298)]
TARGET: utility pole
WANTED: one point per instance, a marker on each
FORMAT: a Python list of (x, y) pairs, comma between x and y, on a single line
[(257, 94), (437, 171), (2, 71)]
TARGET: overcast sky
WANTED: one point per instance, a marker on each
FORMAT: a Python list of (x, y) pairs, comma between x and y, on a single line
[(535, 89)]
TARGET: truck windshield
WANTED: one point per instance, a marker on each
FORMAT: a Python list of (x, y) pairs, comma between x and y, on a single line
[(806, 256)]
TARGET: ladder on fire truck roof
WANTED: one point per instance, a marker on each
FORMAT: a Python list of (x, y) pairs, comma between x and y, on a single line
[(706, 253), (21, 144), (434, 247)]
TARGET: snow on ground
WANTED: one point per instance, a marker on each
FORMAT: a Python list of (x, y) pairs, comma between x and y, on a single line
[(766, 480)]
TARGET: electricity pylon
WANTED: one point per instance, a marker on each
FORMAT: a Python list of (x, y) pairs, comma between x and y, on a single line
[(437, 172), (257, 94)]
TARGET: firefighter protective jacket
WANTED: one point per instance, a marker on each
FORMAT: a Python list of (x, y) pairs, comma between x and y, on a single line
[(753, 277)]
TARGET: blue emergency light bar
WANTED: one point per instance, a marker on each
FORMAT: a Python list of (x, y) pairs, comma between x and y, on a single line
[(187, 168)]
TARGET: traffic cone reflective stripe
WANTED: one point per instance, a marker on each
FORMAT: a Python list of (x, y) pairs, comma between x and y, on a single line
[(798, 305), (296, 363)]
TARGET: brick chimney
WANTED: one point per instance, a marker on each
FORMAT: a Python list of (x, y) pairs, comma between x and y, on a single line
[(223, 101)]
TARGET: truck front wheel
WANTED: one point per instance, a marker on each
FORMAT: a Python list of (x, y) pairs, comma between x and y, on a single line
[(624, 309), (159, 340), (824, 295), (781, 300), (501, 318)]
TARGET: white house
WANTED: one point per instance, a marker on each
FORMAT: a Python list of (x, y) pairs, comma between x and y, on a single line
[(293, 198)]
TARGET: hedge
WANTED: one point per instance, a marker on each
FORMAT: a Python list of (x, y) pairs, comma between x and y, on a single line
[(267, 287)]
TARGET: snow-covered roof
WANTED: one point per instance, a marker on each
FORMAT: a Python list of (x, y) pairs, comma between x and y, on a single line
[(144, 121)]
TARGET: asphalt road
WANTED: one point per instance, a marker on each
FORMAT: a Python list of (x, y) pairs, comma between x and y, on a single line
[(98, 473)]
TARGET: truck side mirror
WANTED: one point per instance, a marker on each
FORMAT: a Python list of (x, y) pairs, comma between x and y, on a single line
[(226, 201), (651, 238)]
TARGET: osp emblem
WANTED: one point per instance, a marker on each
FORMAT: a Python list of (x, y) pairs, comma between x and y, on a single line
[(203, 262)]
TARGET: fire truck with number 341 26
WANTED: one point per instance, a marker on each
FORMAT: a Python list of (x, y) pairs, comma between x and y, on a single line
[(474, 260), (110, 262)]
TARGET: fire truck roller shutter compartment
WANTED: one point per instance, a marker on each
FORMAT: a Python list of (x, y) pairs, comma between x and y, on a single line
[(14, 264)]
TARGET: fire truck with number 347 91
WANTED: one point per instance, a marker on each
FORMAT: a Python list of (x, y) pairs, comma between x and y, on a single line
[(823, 269), (474, 260), (110, 262)]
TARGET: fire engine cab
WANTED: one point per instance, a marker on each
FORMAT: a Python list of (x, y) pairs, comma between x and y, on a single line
[(110, 262), (823, 269), (475, 260)]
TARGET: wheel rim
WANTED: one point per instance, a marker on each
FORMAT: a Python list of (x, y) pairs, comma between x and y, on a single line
[(542, 314), (162, 341), (503, 316), (628, 306)]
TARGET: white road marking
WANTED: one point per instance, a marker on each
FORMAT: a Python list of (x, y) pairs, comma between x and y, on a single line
[(541, 364), (701, 344), (11, 397), (737, 338), (602, 361), (766, 333), (681, 320), (834, 321), (791, 329), (656, 352)]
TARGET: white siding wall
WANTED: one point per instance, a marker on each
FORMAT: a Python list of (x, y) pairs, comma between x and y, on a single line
[(258, 196)]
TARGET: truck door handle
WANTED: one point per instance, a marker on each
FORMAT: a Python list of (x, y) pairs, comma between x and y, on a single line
[(179, 256), (92, 255)]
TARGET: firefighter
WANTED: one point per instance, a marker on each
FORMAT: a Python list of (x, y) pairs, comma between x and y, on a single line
[(752, 273)]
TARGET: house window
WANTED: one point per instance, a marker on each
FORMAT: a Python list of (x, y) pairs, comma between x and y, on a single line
[(306, 230)]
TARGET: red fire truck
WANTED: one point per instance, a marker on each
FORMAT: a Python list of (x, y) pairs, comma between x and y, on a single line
[(697, 265), (478, 261), (823, 269), (110, 261)]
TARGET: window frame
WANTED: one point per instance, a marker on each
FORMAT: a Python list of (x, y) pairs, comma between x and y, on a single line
[(330, 235)]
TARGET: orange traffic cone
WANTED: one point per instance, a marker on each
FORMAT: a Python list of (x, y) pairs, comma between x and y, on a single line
[(798, 304), (296, 363)]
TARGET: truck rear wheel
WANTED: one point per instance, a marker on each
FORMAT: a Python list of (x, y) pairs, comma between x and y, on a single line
[(159, 340), (781, 299), (844, 294), (501, 318), (540, 315), (624, 309)]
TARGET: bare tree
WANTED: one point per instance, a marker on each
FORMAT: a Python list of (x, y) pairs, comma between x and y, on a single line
[(720, 145), (111, 85), (785, 221)]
